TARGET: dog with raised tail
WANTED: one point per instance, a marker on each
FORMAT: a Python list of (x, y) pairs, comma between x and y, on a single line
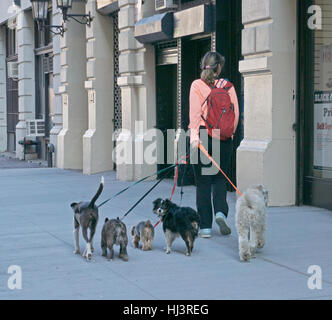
[(177, 221), (86, 216), (250, 220), (144, 232)]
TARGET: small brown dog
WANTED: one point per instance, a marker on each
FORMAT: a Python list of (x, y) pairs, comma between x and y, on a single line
[(143, 231), (114, 233)]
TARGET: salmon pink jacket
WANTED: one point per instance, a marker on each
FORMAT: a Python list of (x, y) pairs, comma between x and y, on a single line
[(199, 91)]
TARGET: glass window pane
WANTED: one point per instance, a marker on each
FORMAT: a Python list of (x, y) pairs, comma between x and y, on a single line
[(322, 113)]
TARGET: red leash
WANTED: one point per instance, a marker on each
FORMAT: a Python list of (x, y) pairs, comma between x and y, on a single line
[(217, 166)]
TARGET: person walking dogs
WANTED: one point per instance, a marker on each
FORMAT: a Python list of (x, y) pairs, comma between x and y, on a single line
[(203, 107)]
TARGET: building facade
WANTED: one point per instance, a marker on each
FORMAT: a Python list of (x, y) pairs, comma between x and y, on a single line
[(131, 69)]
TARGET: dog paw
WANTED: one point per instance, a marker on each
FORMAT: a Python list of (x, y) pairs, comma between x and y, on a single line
[(260, 245), (77, 251), (245, 257), (168, 251), (89, 257), (124, 257), (187, 254)]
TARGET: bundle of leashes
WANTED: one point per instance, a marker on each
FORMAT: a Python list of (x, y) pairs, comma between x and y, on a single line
[(176, 175), (143, 179), (137, 182)]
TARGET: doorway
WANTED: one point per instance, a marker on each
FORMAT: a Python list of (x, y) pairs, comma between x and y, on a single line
[(166, 108), (44, 99), (193, 50), (12, 91)]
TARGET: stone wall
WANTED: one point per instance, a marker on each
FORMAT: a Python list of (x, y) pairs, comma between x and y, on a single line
[(267, 153)]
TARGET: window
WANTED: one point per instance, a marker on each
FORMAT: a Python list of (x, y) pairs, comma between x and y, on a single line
[(11, 42), (44, 36), (322, 109)]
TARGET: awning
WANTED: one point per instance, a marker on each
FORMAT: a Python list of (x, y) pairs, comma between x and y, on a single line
[(155, 28), (106, 7), (178, 24), (194, 20)]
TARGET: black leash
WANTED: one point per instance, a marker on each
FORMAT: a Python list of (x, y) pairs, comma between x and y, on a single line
[(137, 182), (183, 174), (142, 198)]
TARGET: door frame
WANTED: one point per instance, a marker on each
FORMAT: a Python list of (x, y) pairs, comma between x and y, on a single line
[(310, 190)]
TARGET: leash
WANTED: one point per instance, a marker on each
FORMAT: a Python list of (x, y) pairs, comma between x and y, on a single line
[(137, 182), (142, 198), (181, 192), (217, 166), (175, 181)]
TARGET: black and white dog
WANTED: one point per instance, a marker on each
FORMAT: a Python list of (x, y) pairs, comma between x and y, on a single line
[(177, 221), (86, 216)]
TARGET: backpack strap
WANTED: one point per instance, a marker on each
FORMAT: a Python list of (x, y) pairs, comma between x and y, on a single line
[(208, 94), (221, 82), (203, 105), (228, 85)]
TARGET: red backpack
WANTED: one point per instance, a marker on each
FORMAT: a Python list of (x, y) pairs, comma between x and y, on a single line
[(220, 112)]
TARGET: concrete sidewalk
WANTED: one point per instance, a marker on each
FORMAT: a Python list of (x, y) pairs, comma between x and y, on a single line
[(36, 233)]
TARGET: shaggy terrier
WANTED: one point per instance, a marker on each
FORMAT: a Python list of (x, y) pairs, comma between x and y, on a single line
[(250, 220), (143, 231), (114, 232)]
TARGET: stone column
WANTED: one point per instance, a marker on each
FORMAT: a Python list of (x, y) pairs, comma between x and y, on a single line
[(26, 76), (74, 95), (97, 140), (268, 152), (3, 101), (137, 82), (57, 103)]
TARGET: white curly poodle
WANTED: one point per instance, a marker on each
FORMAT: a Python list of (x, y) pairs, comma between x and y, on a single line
[(250, 220)]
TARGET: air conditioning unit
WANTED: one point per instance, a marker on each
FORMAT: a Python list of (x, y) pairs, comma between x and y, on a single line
[(12, 70), (35, 128), (165, 4)]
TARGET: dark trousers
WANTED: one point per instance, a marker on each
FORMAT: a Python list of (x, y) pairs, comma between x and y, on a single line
[(215, 184)]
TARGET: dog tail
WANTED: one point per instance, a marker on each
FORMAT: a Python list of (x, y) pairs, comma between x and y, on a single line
[(106, 220), (99, 191), (132, 231), (248, 200)]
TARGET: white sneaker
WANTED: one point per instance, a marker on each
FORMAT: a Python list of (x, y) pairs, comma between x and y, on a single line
[(221, 222), (205, 233)]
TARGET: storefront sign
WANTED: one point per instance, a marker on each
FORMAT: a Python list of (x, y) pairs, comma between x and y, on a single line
[(323, 130)]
